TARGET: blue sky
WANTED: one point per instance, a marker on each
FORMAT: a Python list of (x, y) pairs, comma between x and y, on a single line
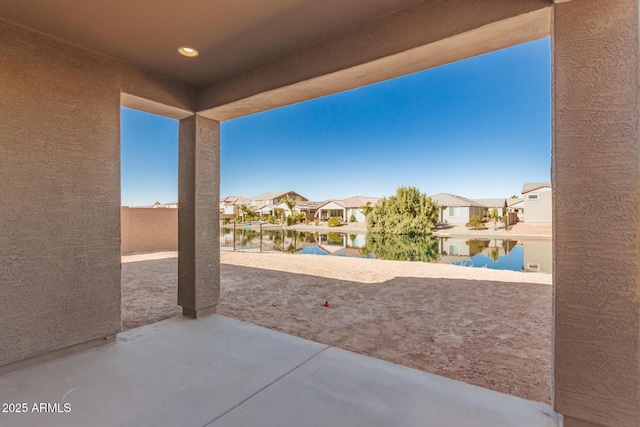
[(478, 128)]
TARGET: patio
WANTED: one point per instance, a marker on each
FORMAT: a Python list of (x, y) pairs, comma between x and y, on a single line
[(217, 371), (68, 67)]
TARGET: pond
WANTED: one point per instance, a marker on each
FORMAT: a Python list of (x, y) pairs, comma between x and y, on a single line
[(501, 254)]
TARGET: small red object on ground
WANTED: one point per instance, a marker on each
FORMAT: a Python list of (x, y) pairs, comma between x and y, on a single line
[(326, 304)]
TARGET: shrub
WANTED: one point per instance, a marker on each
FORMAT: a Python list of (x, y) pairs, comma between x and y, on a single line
[(335, 238), (271, 219), (238, 218), (316, 221), (353, 218), (334, 221), (409, 212), (298, 217), (290, 220), (225, 221), (476, 246), (475, 223)]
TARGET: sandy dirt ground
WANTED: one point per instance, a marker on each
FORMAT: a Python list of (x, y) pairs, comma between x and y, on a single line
[(485, 327)]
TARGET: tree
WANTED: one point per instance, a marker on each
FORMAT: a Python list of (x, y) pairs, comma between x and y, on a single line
[(401, 248), (494, 254), (409, 212), (366, 209), (248, 214), (279, 213), (493, 216), (514, 196), (476, 246), (290, 203)]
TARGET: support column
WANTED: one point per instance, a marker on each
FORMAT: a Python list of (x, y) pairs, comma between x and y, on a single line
[(596, 212), (198, 216)]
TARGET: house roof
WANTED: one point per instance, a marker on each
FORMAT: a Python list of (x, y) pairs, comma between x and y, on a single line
[(308, 205), (511, 202), (271, 207), (270, 195), (164, 205), (491, 203), (274, 195), (533, 186), (326, 202), (357, 201), (234, 200), (453, 200)]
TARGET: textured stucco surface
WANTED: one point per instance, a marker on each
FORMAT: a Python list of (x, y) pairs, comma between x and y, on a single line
[(60, 189), (148, 229), (199, 214), (596, 165), (429, 34)]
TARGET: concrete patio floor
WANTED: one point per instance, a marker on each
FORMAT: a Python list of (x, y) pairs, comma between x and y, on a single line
[(217, 371)]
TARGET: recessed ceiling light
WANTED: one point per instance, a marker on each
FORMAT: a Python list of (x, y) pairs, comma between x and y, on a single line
[(188, 51)]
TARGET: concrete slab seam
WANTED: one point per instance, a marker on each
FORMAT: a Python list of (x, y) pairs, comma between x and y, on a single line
[(265, 387)]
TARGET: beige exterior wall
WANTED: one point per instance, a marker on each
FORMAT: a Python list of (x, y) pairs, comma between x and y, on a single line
[(148, 230), (538, 252), (464, 214), (540, 209), (60, 189), (59, 174), (596, 162), (198, 215)]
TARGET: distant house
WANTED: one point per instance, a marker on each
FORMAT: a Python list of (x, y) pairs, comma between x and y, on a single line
[(309, 209), (230, 206), (343, 209), (516, 205), (331, 208), (268, 210), (171, 205), (273, 198), (499, 204), (456, 209), (537, 202), (353, 205)]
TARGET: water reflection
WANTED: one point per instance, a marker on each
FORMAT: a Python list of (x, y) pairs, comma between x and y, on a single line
[(503, 254)]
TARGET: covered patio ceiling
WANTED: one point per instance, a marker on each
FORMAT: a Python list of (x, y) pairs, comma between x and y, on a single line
[(255, 56), (231, 36)]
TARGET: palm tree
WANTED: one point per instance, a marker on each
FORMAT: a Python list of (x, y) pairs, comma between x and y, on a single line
[(247, 213), (493, 215), (494, 253), (366, 209), (291, 203)]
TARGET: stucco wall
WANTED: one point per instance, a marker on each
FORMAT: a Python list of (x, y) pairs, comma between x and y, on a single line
[(148, 230), (538, 210), (596, 165), (462, 218), (198, 215), (464, 214), (60, 189)]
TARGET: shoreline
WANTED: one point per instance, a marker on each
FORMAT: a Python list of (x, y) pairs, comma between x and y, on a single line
[(517, 231)]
